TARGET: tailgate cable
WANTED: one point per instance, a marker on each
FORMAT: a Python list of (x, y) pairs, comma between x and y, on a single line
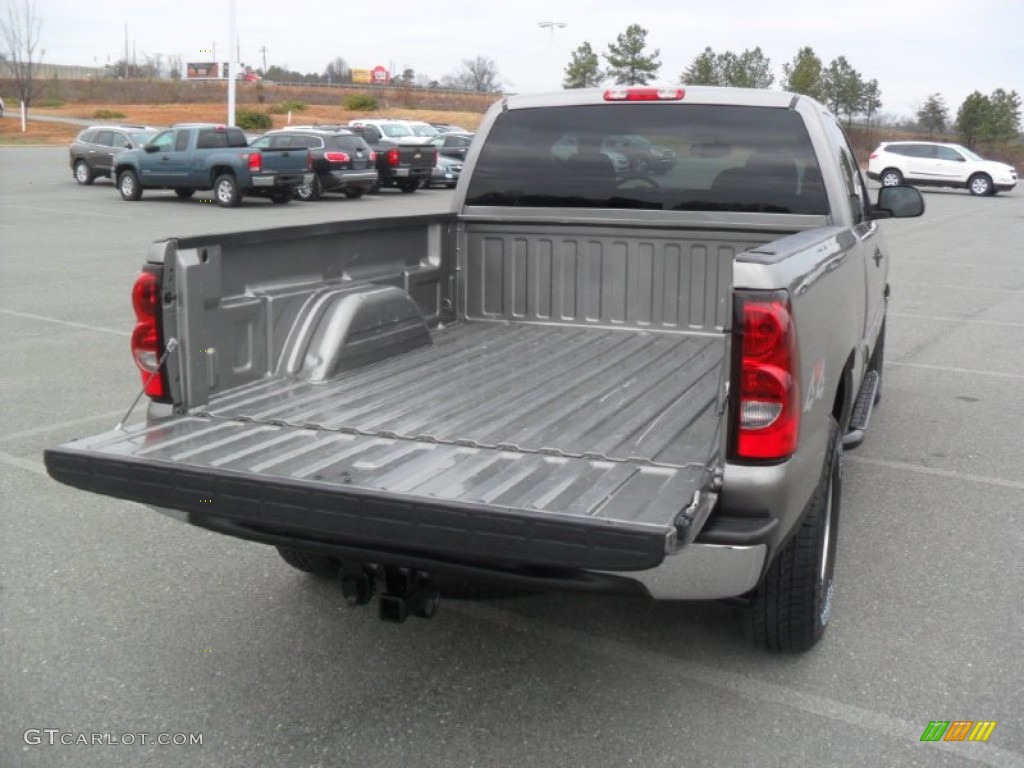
[(172, 344)]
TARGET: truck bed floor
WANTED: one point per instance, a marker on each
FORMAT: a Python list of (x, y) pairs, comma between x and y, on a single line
[(567, 391)]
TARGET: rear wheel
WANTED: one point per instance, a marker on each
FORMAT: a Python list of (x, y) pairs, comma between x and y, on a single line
[(792, 605), (184, 192), (890, 177), (409, 185), (281, 196), (980, 184), (225, 191), (307, 193), (82, 173), (354, 194), (128, 185)]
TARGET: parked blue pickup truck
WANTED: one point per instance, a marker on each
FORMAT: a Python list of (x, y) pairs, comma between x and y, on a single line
[(194, 156)]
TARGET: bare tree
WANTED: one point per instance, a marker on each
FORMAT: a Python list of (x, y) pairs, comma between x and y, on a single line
[(20, 38), (338, 71), (478, 74), (175, 65)]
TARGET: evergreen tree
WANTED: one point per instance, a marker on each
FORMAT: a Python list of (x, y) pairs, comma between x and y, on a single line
[(1004, 117), (843, 89), (750, 69), (584, 70), (627, 62), (804, 73), (704, 70), (972, 117), (933, 114)]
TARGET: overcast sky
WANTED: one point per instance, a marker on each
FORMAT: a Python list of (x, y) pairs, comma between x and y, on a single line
[(912, 47)]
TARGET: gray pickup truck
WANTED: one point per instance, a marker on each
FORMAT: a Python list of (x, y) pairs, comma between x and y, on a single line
[(578, 378), (195, 156)]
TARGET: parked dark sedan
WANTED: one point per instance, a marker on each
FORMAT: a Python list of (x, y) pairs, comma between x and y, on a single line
[(454, 145), (342, 161), (92, 152), (446, 173)]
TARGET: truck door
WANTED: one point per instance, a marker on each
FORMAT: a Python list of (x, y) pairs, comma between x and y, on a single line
[(867, 248), (168, 166)]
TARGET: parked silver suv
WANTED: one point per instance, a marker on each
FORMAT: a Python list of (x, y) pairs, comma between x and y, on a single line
[(92, 152), (933, 164)]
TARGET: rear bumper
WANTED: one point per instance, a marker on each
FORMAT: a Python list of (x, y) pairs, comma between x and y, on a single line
[(349, 179), (282, 180), (697, 572)]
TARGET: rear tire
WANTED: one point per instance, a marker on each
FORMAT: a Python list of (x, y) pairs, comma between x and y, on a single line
[(409, 185), (128, 185), (791, 607), (354, 194), (184, 192), (225, 191), (82, 173), (890, 177), (280, 197), (980, 184), (321, 566), (308, 193)]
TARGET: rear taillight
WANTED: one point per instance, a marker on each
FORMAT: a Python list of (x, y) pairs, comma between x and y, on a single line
[(437, 156), (873, 155), (147, 344), (767, 381), (373, 156), (644, 94), (393, 156), (255, 162), (336, 157), (309, 161)]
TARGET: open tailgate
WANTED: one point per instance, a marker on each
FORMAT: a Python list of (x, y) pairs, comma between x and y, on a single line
[(458, 501)]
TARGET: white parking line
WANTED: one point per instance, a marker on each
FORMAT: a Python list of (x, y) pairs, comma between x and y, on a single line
[(62, 212), (82, 326), (957, 320), (950, 474), (29, 465), (108, 415), (947, 286), (950, 369), (678, 671)]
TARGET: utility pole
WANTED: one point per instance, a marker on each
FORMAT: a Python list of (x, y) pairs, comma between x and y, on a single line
[(263, 50), (233, 68)]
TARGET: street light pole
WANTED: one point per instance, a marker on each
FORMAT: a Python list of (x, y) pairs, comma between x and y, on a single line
[(552, 25), (233, 66)]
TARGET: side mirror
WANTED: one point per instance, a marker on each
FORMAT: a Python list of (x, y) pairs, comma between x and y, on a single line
[(151, 148), (898, 203)]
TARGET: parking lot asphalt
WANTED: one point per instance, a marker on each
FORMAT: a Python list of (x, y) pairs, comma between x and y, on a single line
[(115, 620)]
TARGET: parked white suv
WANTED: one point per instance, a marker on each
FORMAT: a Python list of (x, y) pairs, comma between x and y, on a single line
[(932, 164)]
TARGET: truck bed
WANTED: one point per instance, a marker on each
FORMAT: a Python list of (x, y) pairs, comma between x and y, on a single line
[(538, 443)]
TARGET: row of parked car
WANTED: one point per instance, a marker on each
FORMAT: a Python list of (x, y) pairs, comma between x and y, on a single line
[(300, 161)]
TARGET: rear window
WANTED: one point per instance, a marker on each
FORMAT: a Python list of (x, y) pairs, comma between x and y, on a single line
[(348, 143), (725, 159), (210, 138)]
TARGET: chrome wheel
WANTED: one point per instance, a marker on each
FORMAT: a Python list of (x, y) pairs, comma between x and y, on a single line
[(980, 185), (891, 178)]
